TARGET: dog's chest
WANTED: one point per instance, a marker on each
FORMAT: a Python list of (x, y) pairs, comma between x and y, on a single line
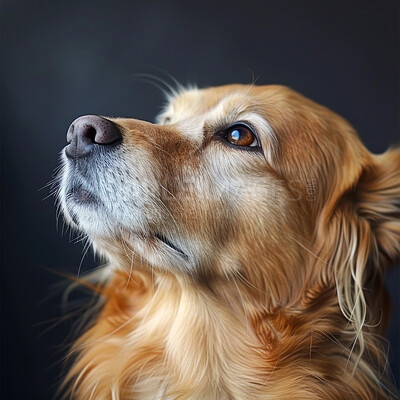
[(168, 348)]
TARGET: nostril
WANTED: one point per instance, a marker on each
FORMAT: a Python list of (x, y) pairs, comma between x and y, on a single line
[(90, 133), (85, 132)]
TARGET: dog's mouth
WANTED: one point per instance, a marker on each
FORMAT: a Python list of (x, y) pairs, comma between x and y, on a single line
[(79, 195), (171, 245)]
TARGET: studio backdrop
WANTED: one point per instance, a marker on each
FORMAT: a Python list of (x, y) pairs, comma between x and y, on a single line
[(63, 59)]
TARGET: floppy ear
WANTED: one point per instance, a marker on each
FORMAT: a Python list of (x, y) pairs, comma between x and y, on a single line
[(358, 240), (378, 203)]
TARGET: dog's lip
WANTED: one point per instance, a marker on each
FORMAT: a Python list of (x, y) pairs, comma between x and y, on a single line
[(162, 238), (81, 195)]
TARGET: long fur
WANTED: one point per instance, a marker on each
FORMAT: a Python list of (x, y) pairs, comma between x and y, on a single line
[(280, 292)]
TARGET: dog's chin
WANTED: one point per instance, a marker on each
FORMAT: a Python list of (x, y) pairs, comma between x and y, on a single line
[(85, 214), (134, 250)]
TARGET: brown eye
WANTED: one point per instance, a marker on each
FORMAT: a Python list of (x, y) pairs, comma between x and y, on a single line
[(241, 135)]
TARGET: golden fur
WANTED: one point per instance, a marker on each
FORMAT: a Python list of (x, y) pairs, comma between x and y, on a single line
[(280, 294)]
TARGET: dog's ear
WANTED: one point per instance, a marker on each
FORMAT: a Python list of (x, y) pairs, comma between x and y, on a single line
[(359, 237), (363, 222), (377, 202)]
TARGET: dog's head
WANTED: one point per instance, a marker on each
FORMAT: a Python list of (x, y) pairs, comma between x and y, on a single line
[(256, 182)]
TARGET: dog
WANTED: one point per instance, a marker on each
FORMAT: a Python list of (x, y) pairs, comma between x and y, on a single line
[(246, 235)]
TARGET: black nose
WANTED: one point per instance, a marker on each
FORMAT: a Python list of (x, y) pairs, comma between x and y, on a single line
[(88, 131)]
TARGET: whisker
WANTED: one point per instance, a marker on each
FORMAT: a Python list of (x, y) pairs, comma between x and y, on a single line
[(85, 251), (166, 89)]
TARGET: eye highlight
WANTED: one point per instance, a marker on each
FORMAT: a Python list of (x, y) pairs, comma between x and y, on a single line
[(241, 135)]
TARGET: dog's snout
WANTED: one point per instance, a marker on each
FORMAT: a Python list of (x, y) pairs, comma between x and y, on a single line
[(90, 130)]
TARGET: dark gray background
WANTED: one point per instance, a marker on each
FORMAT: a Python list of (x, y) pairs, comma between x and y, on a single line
[(62, 59)]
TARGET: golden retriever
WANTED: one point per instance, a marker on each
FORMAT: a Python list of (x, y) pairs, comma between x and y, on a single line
[(246, 236)]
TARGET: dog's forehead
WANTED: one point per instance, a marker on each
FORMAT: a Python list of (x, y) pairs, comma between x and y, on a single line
[(193, 102), (210, 103)]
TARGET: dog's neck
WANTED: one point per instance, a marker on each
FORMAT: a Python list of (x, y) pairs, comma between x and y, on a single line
[(158, 336), (160, 331)]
